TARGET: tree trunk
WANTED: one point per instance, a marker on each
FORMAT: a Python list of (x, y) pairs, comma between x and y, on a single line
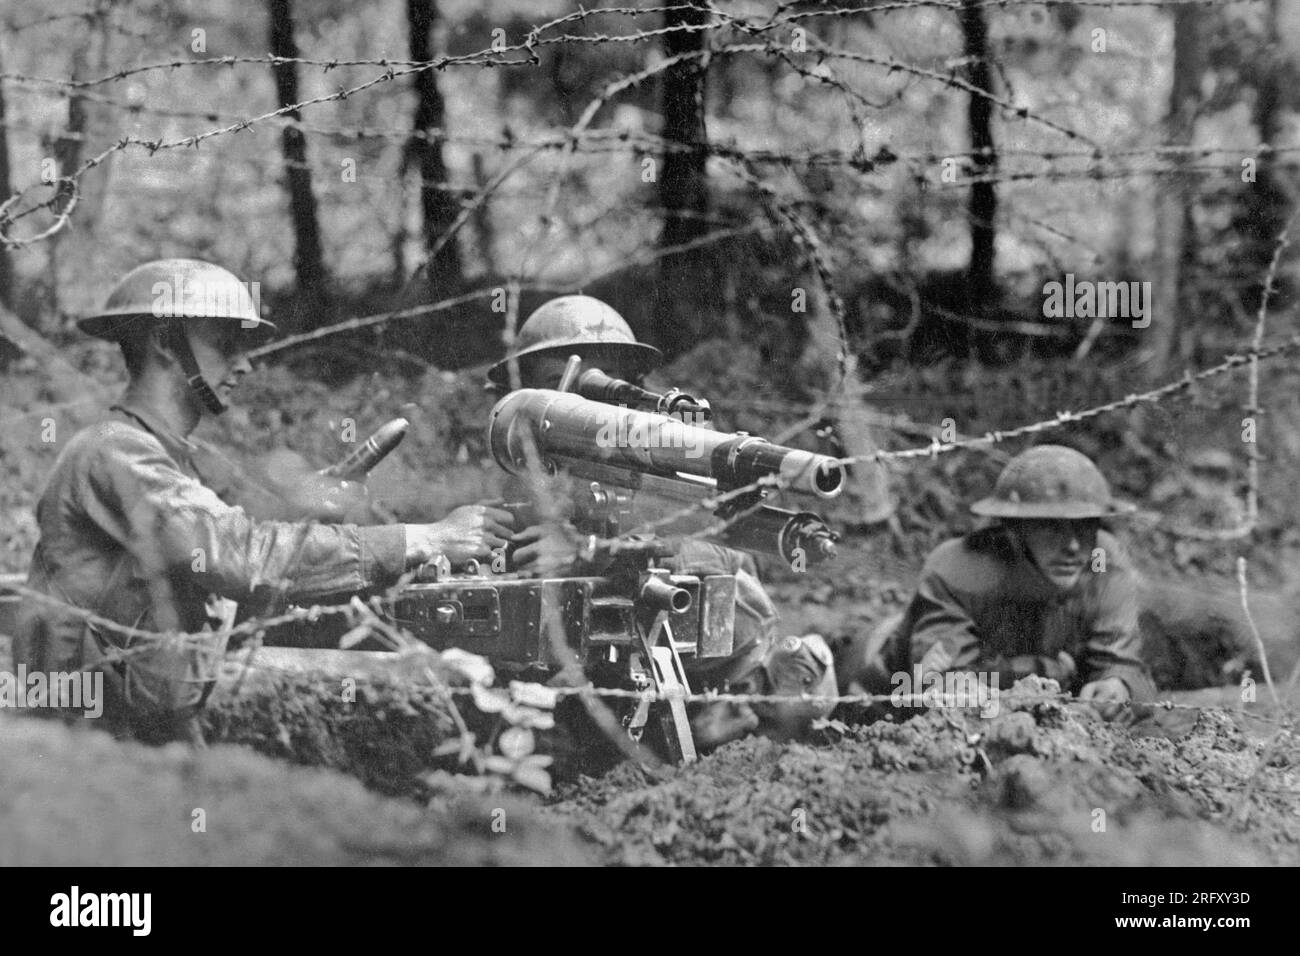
[(307, 259), (8, 294), (438, 205), (683, 184), (980, 287), (66, 152), (1266, 201), (1175, 227), (484, 230)]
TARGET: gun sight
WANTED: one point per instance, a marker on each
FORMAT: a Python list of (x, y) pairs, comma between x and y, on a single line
[(596, 386)]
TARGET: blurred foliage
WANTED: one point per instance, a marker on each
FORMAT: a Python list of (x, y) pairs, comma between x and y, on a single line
[(224, 200)]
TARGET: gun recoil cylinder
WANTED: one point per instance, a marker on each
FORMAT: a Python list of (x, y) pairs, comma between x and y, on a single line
[(791, 534)]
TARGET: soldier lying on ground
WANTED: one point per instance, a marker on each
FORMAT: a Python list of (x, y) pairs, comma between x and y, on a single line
[(761, 664), (1046, 591), (131, 533)]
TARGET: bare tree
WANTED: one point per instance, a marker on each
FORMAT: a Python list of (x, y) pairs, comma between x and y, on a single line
[(683, 185), (1175, 226), (438, 205), (983, 207), (307, 259), (1273, 75), (7, 291), (66, 153)]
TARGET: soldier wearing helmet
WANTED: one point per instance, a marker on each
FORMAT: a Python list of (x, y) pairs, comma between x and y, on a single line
[(589, 328), (133, 542), (573, 325), (1045, 590)]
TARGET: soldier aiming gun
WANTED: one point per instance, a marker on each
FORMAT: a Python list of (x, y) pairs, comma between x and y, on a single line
[(610, 368)]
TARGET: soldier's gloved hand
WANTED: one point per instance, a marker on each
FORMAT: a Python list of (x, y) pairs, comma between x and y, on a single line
[(1023, 665), (469, 532), (1107, 697), (546, 549)]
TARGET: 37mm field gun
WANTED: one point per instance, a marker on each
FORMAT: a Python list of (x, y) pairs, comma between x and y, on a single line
[(625, 481)]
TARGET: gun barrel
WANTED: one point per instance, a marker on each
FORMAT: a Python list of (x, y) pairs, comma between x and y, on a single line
[(549, 424), (662, 596), (373, 450)]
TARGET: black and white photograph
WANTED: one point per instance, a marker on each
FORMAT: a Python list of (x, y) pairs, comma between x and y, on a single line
[(695, 433)]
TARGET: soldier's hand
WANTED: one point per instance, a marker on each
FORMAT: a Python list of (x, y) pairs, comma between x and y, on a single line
[(546, 549), (1107, 697), (469, 532), (1059, 668)]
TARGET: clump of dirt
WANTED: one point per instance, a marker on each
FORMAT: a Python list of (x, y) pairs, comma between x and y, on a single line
[(77, 797), (759, 802), (1042, 782), (1232, 768)]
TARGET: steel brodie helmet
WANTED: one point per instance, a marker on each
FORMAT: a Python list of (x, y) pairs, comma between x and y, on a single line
[(175, 288), (582, 324), (166, 292), (1051, 481)]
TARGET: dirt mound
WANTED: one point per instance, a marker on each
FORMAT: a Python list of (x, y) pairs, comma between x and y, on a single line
[(79, 797), (378, 724), (1040, 783)]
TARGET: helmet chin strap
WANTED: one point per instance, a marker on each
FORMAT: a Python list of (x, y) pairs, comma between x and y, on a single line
[(176, 339)]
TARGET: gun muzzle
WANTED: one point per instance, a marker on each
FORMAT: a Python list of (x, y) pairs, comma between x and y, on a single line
[(662, 596), (373, 450)]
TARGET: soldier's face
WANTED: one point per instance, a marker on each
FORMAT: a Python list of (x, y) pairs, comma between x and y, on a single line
[(1060, 549), (542, 371), (220, 348)]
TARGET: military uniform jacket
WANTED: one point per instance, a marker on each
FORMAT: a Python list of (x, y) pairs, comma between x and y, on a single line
[(130, 533), (981, 606)]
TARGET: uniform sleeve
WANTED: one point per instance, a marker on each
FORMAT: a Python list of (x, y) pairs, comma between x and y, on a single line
[(134, 492), (1114, 641), (942, 627), (282, 486), (945, 636), (696, 556)]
